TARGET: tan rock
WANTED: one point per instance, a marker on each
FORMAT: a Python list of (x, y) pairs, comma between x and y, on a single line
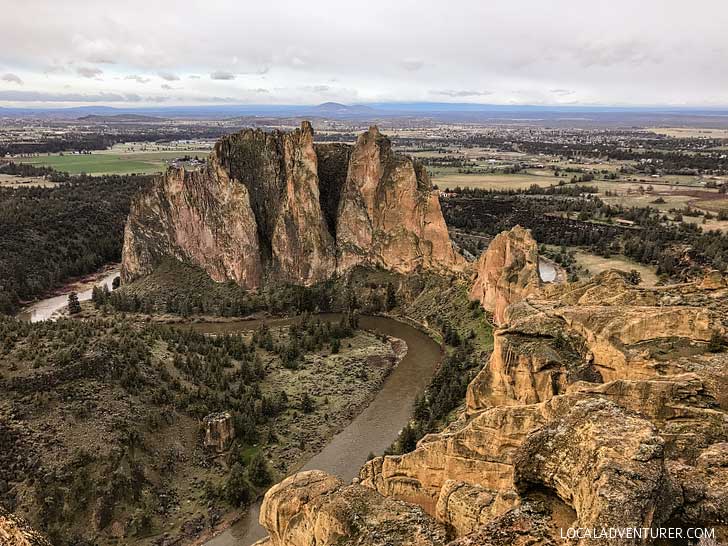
[(15, 531), (507, 272), (389, 215), (315, 508)]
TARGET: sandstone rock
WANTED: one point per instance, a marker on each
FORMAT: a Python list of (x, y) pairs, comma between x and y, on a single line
[(275, 207), (219, 431), (15, 531), (583, 332), (315, 508), (507, 272)]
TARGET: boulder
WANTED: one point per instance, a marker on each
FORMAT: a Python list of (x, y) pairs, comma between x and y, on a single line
[(313, 507)]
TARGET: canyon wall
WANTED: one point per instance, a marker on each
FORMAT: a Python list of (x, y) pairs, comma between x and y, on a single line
[(275, 207), (602, 405)]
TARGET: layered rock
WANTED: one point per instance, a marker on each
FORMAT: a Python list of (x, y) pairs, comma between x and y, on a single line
[(275, 207), (507, 272), (315, 508), (603, 405)]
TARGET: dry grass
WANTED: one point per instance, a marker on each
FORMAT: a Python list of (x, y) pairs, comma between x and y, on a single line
[(494, 181), (596, 264)]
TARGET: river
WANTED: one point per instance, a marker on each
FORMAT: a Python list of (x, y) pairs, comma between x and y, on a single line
[(372, 431), (45, 309)]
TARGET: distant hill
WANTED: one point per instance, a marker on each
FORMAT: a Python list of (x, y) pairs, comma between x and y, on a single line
[(119, 118), (337, 109)]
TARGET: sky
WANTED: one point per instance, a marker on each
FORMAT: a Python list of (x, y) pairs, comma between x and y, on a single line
[(536, 52)]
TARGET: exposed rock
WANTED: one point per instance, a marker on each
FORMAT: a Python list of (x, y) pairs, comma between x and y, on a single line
[(219, 431), (584, 331), (507, 272), (315, 508), (601, 406), (388, 214), (15, 531), (274, 207), (596, 394)]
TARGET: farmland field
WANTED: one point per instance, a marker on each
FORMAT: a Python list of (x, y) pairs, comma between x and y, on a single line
[(110, 162), (494, 181)]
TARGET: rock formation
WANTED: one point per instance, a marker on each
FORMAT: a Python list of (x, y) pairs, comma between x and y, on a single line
[(315, 508), (507, 272), (275, 207), (15, 531), (602, 405), (219, 431)]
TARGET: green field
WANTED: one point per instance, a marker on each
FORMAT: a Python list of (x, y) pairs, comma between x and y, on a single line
[(110, 162)]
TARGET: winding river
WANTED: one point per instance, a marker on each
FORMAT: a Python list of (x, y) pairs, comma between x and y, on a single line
[(373, 430), (45, 309)]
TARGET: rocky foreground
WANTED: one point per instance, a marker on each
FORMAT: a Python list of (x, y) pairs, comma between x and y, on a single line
[(603, 405), (277, 208)]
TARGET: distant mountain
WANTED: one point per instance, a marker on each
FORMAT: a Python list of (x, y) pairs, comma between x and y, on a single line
[(336, 109), (120, 118)]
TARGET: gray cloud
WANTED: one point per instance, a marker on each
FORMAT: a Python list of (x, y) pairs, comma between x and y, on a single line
[(40, 96), (12, 78), (89, 71), (411, 64), (137, 78), (665, 52), (168, 76), (222, 75), (462, 93)]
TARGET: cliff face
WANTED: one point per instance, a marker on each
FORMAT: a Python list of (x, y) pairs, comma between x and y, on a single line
[(602, 405), (507, 272), (388, 215), (277, 207)]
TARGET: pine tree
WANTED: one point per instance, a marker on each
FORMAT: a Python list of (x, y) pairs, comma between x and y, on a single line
[(74, 306)]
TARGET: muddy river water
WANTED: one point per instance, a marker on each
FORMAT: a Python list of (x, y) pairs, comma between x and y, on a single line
[(373, 430)]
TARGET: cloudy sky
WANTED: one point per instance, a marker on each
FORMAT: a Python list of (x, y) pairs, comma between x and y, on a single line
[(591, 52)]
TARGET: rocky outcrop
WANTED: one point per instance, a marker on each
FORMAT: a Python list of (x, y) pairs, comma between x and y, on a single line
[(275, 207), (15, 531), (315, 508), (388, 215), (219, 431), (602, 406), (507, 272), (598, 330)]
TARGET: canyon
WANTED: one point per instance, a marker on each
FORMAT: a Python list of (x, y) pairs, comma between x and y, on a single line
[(602, 405)]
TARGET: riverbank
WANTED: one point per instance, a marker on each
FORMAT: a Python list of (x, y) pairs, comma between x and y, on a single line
[(373, 430), (53, 304)]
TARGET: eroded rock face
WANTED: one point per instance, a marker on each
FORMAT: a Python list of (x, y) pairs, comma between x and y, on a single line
[(603, 405), (601, 395), (507, 272), (315, 508), (276, 207), (15, 531), (388, 215)]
